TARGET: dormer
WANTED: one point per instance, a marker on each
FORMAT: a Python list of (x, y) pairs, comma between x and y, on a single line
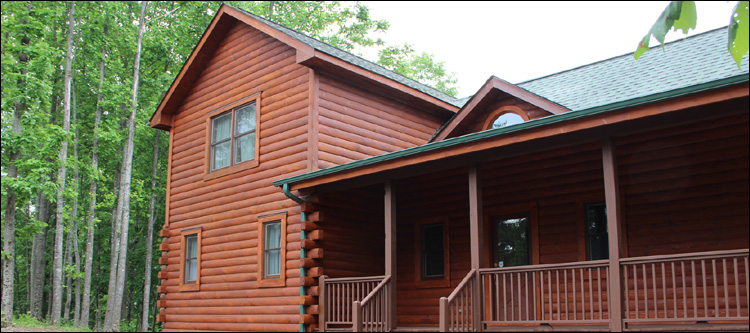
[(498, 103)]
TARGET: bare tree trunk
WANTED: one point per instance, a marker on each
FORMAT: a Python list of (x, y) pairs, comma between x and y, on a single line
[(149, 239), (9, 228), (67, 277), (36, 287), (127, 161), (74, 219), (92, 203), (57, 282)]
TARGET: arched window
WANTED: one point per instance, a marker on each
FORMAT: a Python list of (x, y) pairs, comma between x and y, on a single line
[(505, 116), (507, 119)]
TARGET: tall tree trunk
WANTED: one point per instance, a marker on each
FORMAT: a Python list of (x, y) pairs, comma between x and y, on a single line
[(63, 156), (67, 277), (92, 190), (36, 287), (9, 228), (74, 220), (127, 161), (149, 239)]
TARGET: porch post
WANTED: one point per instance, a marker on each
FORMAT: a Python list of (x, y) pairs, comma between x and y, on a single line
[(612, 197), (476, 240), (390, 250)]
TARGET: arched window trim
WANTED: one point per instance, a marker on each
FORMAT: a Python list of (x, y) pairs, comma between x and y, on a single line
[(501, 111)]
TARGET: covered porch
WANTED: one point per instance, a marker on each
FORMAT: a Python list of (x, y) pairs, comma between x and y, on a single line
[(640, 224)]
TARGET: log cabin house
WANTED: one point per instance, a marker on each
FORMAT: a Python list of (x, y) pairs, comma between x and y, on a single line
[(309, 189)]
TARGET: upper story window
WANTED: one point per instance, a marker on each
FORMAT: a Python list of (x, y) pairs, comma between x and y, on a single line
[(233, 137), (506, 119)]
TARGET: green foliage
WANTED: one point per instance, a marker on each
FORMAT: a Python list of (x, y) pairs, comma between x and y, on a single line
[(682, 15), (421, 67), (25, 320), (738, 32)]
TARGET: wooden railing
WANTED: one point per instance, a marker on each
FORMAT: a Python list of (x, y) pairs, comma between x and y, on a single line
[(457, 311), (707, 286), (374, 313), (571, 293), (337, 297)]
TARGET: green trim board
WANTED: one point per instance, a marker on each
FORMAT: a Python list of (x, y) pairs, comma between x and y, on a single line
[(532, 124)]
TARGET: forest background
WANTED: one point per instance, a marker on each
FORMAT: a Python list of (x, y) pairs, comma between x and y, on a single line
[(80, 80)]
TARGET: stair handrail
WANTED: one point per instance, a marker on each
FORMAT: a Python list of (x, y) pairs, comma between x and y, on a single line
[(445, 301)]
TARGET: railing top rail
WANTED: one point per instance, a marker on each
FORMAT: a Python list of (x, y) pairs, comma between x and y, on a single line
[(375, 291), (462, 284), (355, 279), (528, 268), (683, 256)]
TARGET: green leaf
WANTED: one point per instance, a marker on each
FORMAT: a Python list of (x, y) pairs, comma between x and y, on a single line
[(688, 17), (738, 32)]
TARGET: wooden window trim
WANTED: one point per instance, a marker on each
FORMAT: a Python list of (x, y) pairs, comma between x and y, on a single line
[(281, 280), (183, 247), (435, 283), (233, 167), (503, 110), (525, 208)]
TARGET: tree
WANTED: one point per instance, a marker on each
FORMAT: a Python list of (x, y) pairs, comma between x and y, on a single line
[(421, 67), (682, 15)]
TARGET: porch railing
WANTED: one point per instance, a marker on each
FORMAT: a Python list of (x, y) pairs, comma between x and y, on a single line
[(692, 287), (571, 293), (374, 313), (337, 297), (457, 310)]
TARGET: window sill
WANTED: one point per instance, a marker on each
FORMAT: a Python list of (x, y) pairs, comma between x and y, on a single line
[(230, 170), (268, 283), (190, 287)]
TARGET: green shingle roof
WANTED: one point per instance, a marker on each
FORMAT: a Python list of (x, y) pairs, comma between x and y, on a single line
[(694, 60)]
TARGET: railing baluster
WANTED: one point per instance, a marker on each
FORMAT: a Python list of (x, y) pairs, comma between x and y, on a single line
[(526, 281), (716, 288), (645, 291), (653, 278), (684, 289), (505, 303), (705, 291), (626, 283), (583, 296), (726, 285), (575, 310), (736, 286), (664, 288), (674, 289), (557, 288), (695, 296), (591, 295), (565, 285), (635, 290), (599, 290)]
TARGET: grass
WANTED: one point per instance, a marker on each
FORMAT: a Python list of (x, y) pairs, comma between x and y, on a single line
[(28, 321)]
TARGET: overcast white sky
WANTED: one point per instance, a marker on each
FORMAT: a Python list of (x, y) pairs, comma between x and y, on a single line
[(519, 41)]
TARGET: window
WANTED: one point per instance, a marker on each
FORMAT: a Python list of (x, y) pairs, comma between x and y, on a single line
[(506, 119), (230, 144), (190, 261), (512, 241), (432, 267), (433, 258), (232, 137), (597, 243), (272, 250)]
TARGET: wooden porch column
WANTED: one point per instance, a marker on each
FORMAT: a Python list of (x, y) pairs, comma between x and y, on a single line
[(390, 249), (476, 239), (614, 227)]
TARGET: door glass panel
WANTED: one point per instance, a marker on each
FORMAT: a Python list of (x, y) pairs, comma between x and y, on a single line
[(512, 247)]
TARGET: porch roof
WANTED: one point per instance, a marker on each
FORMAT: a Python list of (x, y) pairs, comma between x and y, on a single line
[(551, 125)]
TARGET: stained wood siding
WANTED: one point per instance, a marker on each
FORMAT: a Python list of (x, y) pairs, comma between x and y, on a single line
[(227, 207), (356, 124), (686, 187), (354, 242)]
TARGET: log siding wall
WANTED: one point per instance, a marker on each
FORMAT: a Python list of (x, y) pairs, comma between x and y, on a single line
[(227, 207)]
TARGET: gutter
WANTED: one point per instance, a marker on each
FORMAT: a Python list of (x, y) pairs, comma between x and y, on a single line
[(302, 252), (550, 120)]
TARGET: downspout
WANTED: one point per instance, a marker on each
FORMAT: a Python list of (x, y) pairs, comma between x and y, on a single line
[(302, 251)]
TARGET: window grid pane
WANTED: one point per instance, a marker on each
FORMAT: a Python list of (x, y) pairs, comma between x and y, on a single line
[(272, 251), (244, 148), (245, 119), (191, 258)]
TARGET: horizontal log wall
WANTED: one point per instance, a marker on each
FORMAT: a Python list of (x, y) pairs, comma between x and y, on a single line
[(686, 188), (355, 124), (227, 207)]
